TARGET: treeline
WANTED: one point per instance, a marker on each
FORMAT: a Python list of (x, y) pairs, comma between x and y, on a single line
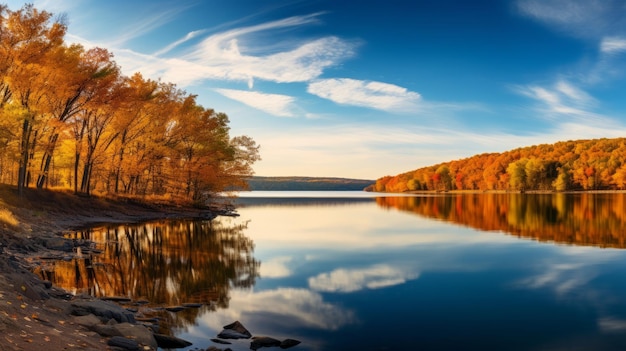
[(307, 183), (69, 118), (598, 164)]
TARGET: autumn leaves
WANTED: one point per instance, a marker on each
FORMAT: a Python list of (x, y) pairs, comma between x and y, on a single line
[(69, 118)]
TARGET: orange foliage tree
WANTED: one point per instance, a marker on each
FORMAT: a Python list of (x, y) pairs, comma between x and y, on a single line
[(68, 117), (596, 164)]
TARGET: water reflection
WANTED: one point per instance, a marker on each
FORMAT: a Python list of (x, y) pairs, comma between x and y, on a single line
[(366, 276), (579, 219), (166, 263)]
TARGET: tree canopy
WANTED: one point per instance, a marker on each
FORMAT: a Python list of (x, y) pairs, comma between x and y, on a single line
[(597, 164), (69, 118)]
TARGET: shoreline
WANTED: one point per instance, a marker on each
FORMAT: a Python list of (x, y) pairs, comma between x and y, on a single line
[(35, 314)]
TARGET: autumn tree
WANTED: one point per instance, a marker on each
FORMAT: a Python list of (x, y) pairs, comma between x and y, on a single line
[(28, 44)]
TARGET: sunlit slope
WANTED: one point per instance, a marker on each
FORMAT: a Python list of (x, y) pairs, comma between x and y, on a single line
[(597, 164)]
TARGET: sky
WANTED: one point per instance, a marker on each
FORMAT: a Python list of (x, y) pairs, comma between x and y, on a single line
[(373, 88)]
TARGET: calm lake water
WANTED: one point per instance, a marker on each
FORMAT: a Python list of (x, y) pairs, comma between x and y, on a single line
[(352, 271)]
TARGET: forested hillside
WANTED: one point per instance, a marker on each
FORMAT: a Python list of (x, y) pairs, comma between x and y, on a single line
[(70, 119), (598, 164), (307, 183)]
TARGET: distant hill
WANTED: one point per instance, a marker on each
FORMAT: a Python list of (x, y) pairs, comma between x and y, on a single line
[(307, 183), (597, 164)]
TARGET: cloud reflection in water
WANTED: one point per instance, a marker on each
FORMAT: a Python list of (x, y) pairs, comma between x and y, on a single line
[(350, 280)]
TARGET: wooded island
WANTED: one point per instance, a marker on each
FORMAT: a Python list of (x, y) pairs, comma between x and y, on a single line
[(70, 119), (597, 164)]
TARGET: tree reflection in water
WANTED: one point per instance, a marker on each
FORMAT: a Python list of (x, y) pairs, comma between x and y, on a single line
[(166, 263), (593, 219)]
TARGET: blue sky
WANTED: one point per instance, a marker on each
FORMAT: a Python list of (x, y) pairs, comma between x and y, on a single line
[(370, 88)]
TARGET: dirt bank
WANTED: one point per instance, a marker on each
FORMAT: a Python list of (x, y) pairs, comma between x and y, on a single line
[(34, 315)]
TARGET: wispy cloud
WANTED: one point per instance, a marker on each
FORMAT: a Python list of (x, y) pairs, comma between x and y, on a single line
[(562, 278), (371, 94), (580, 18), (613, 45), (234, 55), (562, 99), (300, 307), (274, 104), (277, 267), (241, 54), (186, 38), (350, 280)]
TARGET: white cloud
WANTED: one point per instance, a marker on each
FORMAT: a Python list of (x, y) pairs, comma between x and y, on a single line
[(612, 45), (276, 267), (274, 104), (240, 54), (563, 278), (612, 325), (371, 94), (562, 99), (294, 306), (350, 280), (236, 55), (175, 44), (582, 18)]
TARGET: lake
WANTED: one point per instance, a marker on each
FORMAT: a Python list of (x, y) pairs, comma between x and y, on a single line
[(361, 271)]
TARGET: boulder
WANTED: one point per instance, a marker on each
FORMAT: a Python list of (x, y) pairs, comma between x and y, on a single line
[(59, 244), (175, 308), (88, 321), (235, 330), (170, 342), (124, 343), (263, 341), (136, 332), (287, 343), (223, 342), (105, 310)]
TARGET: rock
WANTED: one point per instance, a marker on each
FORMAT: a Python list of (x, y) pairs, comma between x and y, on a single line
[(128, 344), (213, 348), (147, 319), (263, 341), (87, 321), (192, 305), (105, 330), (120, 299), (25, 288), (287, 343), (175, 308), (170, 342), (232, 334), (103, 309), (223, 342), (136, 332), (59, 244), (235, 330)]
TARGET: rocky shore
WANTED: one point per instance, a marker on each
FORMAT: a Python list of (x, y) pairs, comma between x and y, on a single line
[(35, 315)]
